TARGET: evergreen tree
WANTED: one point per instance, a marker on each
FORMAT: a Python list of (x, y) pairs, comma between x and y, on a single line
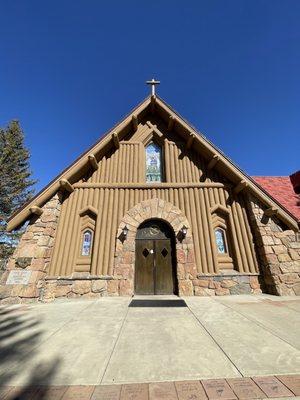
[(15, 182)]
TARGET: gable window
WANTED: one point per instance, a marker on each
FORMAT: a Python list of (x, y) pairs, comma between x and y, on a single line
[(86, 243), (221, 241), (153, 163)]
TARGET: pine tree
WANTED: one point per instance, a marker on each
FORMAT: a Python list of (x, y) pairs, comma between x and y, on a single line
[(15, 182)]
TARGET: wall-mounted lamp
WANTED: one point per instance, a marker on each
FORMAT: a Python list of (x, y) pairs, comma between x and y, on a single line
[(182, 233), (184, 230), (123, 234), (125, 231)]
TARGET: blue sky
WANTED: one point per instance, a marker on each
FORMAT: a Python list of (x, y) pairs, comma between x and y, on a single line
[(69, 70)]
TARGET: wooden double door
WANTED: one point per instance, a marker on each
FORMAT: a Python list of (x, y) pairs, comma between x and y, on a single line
[(154, 265)]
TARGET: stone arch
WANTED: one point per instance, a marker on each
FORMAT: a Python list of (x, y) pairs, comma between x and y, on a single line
[(124, 262)]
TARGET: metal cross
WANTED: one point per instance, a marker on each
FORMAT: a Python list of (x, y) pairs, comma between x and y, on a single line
[(153, 82)]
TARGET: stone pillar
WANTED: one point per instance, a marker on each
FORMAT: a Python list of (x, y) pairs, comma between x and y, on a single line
[(33, 254), (278, 251)]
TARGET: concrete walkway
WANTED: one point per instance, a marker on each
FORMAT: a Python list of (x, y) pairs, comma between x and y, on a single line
[(84, 342)]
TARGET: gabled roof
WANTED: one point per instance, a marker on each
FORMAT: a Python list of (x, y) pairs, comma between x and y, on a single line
[(281, 188), (175, 122)]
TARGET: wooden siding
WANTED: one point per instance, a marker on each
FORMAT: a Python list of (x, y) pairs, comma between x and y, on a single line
[(119, 183)]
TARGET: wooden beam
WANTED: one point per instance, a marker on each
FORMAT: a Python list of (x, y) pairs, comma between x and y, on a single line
[(134, 120), (269, 212), (213, 162), (190, 141), (93, 161), (153, 101), (66, 185), (240, 186), (171, 123), (36, 210), (116, 140)]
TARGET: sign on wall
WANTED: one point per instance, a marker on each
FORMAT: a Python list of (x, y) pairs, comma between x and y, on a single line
[(18, 277)]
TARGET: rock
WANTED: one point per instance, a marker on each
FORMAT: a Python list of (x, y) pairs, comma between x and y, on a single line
[(201, 282), (199, 291), (99, 286), (126, 287), (267, 240), (181, 258), (62, 291), (283, 257), (296, 289), (81, 287), (241, 288), (23, 262), (254, 283), (228, 283), (29, 291), (113, 288), (289, 278), (279, 249), (222, 292), (186, 288), (5, 291)]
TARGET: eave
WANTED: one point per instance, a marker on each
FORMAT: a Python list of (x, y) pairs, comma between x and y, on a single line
[(216, 159)]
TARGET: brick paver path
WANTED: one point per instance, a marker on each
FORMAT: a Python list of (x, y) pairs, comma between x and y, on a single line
[(262, 387)]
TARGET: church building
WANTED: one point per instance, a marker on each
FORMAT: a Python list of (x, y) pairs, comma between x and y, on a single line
[(154, 208)]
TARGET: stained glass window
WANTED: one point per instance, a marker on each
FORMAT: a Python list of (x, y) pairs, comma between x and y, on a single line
[(220, 241), (153, 163), (86, 243)]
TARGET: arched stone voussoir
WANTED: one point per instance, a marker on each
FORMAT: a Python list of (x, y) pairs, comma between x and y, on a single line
[(125, 246)]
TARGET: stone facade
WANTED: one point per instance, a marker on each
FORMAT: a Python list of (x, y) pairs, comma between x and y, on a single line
[(125, 250), (222, 285), (278, 251), (32, 254)]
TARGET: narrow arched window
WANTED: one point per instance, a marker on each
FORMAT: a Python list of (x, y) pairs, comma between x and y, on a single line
[(153, 163), (86, 243), (221, 241)]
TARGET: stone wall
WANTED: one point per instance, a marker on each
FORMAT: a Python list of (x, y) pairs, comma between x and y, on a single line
[(32, 254), (124, 263), (222, 285), (278, 251)]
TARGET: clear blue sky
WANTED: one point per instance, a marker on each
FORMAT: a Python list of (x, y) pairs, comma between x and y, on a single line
[(69, 70)]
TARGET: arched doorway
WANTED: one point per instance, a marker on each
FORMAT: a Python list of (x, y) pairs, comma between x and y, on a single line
[(155, 261)]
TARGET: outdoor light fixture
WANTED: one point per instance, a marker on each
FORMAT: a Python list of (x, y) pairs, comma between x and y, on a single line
[(184, 230), (123, 234), (182, 233), (125, 231)]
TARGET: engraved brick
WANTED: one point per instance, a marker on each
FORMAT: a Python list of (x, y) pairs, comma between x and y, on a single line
[(218, 389), (188, 390), (162, 391), (78, 393), (52, 392), (272, 386), (245, 388), (135, 392), (292, 382), (107, 392)]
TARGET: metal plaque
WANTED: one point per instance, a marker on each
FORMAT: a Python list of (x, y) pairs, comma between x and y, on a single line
[(18, 277)]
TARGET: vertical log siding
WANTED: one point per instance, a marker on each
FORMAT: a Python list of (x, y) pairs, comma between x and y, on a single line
[(126, 164)]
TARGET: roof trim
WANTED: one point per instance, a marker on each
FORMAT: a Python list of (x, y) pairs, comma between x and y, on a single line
[(227, 165)]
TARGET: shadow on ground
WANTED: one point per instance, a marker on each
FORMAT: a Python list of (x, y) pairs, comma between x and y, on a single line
[(20, 334)]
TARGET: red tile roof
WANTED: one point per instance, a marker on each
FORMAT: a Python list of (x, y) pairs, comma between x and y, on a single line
[(281, 188)]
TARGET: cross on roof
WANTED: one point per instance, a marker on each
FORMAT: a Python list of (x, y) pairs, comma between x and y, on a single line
[(153, 82)]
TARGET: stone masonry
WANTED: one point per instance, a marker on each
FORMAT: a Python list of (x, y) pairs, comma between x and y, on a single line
[(123, 274), (32, 254), (278, 251)]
